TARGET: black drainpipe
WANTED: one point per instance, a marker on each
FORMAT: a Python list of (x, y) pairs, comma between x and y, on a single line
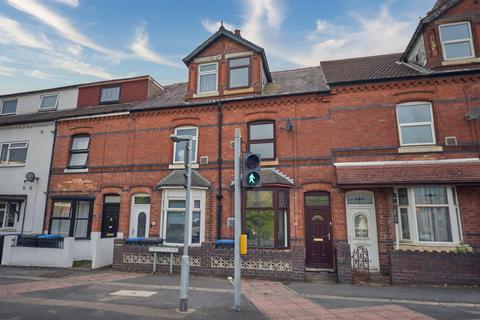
[(219, 163)]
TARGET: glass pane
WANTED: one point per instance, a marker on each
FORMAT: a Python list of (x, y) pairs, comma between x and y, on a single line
[(359, 198), (78, 159), (259, 199), (49, 102), (414, 113), (208, 82), (283, 199), (187, 132), (196, 227), (174, 233), (404, 223), (260, 228), (9, 107), (317, 200), (142, 225), (238, 77), (10, 218), (17, 156), (239, 62), (80, 143), (61, 209), (180, 151), (3, 209), (176, 204), (60, 226), (112, 199), (402, 196), (434, 224), (361, 226), (83, 209), (417, 134), (3, 153), (110, 94), (458, 50), (208, 67), (80, 229), (455, 32), (261, 131), (282, 229), (142, 200), (431, 195), (265, 150), (196, 204)]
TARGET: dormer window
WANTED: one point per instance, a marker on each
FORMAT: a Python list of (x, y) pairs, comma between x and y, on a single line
[(49, 102), (208, 78), (9, 107), (239, 73), (110, 95), (456, 41)]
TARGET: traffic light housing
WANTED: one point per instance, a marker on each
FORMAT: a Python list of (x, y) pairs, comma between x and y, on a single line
[(251, 170)]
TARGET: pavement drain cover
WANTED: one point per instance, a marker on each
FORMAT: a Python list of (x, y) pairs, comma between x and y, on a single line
[(133, 293)]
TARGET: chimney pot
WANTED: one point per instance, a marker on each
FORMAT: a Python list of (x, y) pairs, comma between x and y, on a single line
[(237, 32)]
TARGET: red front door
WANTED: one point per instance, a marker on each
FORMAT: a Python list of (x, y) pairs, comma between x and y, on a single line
[(318, 230)]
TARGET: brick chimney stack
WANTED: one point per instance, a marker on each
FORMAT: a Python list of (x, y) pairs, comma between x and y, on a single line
[(237, 32)]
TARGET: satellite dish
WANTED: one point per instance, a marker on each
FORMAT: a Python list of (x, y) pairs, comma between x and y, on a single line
[(30, 176)]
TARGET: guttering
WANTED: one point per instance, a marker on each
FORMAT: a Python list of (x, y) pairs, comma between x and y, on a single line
[(408, 162), (96, 116)]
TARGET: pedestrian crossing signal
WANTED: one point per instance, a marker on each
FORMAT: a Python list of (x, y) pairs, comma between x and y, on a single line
[(251, 170)]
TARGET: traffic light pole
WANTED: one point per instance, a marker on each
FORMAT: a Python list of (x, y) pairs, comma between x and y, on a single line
[(237, 273)]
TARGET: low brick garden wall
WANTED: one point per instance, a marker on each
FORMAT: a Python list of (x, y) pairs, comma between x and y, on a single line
[(208, 260), (419, 267)]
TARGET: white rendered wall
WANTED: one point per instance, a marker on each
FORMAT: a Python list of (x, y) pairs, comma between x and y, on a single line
[(40, 140)]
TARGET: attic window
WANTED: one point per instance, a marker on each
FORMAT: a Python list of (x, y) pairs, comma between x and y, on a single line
[(456, 41), (110, 95), (239, 73), (207, 77)]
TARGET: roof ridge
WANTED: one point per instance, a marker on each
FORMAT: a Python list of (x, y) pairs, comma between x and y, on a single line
[(363, 57), (297, 69)]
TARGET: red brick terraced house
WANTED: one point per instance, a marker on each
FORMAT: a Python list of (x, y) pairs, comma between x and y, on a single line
[(376, 153)]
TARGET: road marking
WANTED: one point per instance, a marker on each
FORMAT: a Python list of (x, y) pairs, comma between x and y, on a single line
[(133, 293), (392, 300), (166, 287)]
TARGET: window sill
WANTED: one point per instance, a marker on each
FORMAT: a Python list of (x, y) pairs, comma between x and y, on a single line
[(269, 163), (205, 94), (7, 114), (432, 247), (420, 149), (238, 91), (47, 109), (12, 165), (176, 166), (460, 61), (75, 170)]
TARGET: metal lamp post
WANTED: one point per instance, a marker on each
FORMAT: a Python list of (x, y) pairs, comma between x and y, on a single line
[(185, 272)]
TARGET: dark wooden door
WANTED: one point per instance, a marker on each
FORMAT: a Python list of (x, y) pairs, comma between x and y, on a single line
[(318, 231), (111, 213)]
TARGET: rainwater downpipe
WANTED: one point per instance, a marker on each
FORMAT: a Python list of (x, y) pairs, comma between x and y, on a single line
[(219, 164)]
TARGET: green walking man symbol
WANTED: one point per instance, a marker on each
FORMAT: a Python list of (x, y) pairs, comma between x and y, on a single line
[(251, 178)]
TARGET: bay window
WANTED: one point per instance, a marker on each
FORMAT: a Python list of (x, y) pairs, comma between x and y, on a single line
[(266, 218), (415, 124), (428, 215), (174, 216), (208, 78), (71, 218)]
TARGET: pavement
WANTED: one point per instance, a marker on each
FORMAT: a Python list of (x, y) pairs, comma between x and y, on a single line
[(45, 293)]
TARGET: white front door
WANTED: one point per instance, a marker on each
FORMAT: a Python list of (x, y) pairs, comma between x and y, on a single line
[(362, 225), (140, 217)]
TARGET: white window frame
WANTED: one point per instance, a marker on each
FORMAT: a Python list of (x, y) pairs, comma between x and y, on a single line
[(206, 73), (431, 123), (472, 48), (10, 113), (453, 211), (194, 140), (110, 101), (45, 96), (8, 153), (180, 194), (7, 208)]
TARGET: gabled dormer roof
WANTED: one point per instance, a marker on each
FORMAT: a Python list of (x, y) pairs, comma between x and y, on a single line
[(438, 9), (222, 32)]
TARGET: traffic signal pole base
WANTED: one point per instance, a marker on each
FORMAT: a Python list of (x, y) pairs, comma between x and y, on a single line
[(184, 305)]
